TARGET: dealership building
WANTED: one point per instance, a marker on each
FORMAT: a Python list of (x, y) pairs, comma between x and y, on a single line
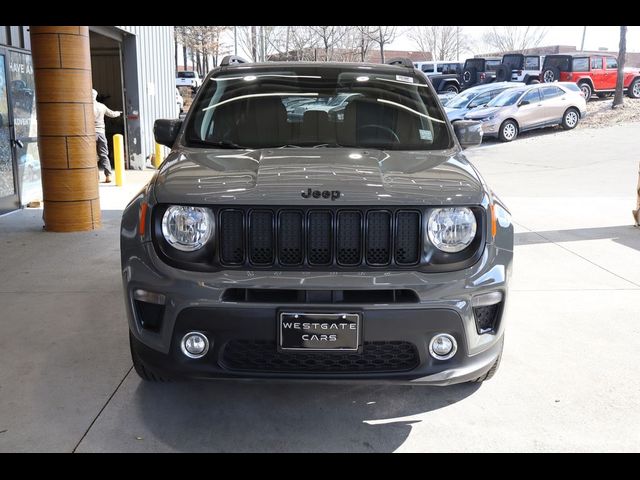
[(47, 136)]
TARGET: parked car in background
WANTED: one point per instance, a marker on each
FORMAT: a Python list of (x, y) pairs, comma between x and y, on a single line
[(179, 101), (188, 78), (517, 67), (446, 97), (531, 106), (593, 73), (446, 83), (479, 70), (439, 67), (475, 97)]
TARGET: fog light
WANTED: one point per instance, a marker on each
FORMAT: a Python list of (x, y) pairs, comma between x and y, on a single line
[(443, 346), (195, 345)]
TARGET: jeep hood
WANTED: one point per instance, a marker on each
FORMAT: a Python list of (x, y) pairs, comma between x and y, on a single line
[(280, 176)]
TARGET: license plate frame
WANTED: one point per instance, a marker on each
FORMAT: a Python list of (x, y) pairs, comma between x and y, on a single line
[(291, 337)]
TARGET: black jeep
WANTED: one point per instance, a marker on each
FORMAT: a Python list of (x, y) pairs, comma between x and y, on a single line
[(477, 71)]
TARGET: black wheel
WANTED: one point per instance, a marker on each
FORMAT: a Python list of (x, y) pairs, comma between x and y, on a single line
[(508, 131), (634, 89), (550, 74), (451, 88), (143, 371), (586, 90), (570, 119), (503, 73), (533, 81), (492, 371)]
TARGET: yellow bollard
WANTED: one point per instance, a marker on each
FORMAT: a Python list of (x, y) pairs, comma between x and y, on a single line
[(118, 158), (157, 160)]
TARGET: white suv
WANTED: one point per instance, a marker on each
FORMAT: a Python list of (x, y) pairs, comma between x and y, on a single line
[(439, 67), (520, 68), (188, 78)]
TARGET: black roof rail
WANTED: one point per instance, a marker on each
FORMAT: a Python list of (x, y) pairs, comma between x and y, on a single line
[(232, 60), (403, 62)]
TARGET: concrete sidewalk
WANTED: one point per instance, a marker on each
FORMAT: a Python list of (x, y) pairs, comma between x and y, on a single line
[(568, 380)]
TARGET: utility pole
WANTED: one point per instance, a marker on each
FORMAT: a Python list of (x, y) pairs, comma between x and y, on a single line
[(235, 40), (254, 50), (584, 34)]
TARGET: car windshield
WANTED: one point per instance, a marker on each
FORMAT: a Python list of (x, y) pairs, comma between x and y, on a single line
[(462, 99), (317, 106), (508, 97), (186, 74)]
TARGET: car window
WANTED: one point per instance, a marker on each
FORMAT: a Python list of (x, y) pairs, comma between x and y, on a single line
[(495, 93), (571, 86), (508, 97), (513, 62), (427, 67), (561, 63), (313, 106), (476, 63), (532, 96), (481, 99), (532, 63), (491, 65), (596, 63), (581, 64), (612, 63), (186, 74), (551, 92)]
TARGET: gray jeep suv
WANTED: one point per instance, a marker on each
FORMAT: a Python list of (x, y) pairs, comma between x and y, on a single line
[(360, 245)]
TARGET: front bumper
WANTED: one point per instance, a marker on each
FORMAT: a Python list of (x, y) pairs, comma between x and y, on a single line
[(195, 301)]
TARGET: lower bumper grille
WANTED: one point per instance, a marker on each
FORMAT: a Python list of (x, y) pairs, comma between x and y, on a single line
[(263, 356)]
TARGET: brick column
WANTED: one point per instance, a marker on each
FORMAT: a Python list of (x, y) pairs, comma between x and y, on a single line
[(66, 130)]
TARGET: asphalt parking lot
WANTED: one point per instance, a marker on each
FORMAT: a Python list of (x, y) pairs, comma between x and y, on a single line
[(568, 380)]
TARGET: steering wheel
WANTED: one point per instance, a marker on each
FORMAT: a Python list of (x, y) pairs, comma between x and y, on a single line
[(390, 133)]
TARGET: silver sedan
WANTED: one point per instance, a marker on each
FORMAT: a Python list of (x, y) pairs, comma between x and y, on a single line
[(532, 106)]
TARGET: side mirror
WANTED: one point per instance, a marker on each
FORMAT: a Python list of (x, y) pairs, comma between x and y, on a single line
[(166, 131), (524, 102), (469, 132)]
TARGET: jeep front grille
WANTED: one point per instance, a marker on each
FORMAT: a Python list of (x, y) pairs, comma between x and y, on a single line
[(288, 237)]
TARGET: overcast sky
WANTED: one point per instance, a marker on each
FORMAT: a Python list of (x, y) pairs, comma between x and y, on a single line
[(596, 37)]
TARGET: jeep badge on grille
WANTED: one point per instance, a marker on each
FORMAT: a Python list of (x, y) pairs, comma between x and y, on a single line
[(332, 194)]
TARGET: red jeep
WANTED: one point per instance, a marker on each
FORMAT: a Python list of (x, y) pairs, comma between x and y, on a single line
[(593, 72)]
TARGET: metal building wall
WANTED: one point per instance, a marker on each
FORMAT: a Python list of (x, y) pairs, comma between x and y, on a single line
[(156, 78)]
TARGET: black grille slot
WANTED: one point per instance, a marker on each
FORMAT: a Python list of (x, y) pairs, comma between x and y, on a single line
[(290, 242), (278, 295), (320, 238), (378, 238), (486, 317), (263, 356), (232, 237), (407, 240), (349, 238), (261, 237)]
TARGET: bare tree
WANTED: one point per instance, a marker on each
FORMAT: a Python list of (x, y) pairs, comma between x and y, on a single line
[(364, 41), (618, 99), (329, 37), (444, 42), (383, 36), (181, 34), (514, 38)]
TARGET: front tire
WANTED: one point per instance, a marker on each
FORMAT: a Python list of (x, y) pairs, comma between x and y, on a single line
[(451, 88), (570, 119), (141, 368), (492, 371), (508, 131), (586, 90), (634, 89)]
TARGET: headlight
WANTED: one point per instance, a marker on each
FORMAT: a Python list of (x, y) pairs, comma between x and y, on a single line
[(451, 229), (187, 228), (489, 118)]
